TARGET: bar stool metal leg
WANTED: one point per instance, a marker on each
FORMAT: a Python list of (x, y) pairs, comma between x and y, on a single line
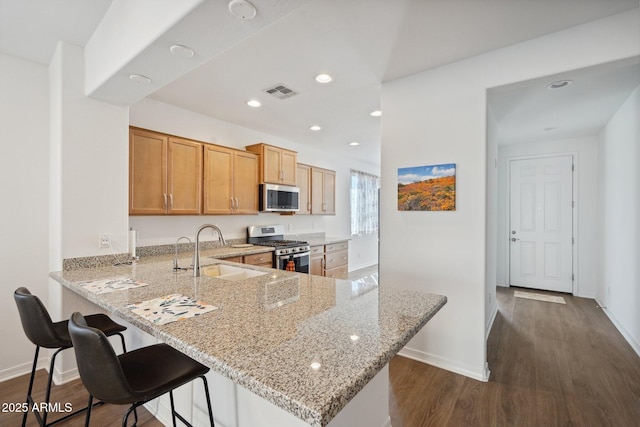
[(33, 375)]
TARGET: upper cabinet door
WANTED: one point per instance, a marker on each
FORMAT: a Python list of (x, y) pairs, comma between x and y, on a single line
[(271, 164), (184, 177), (277, 165), (218, 187), (230, 181), (147, 173), (245, 182), (329, 187), (304, 184), (288, 163), (323, 191)]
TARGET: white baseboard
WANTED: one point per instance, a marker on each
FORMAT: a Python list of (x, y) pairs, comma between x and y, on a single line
[(43, 363), (627, 336), (65, 377), (23, 368), (446, 364)]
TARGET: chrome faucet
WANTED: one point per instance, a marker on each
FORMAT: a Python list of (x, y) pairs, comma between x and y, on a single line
[(196, 254), (175, 258)]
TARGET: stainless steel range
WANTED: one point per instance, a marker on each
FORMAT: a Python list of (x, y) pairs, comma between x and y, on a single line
[(285, 250)]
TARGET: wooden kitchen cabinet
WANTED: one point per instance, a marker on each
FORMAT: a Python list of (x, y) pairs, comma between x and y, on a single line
[(336, 260), (230, 181), (323, 191), (330, 260), (237, 259), (165, 174), (277, 165), (316, 260), (304, 184), (263, 259)]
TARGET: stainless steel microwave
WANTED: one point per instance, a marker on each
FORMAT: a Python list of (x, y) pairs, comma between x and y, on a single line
[(279, 198)]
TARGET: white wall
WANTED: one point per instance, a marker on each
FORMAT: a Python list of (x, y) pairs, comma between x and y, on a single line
[(154, 115), (619, 219), (88, 193), (439, 116), (491, 305), (585, 151), (23, 220)]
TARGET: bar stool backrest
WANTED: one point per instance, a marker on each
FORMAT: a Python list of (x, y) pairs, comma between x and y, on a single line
[(36, 322), (98, 365)]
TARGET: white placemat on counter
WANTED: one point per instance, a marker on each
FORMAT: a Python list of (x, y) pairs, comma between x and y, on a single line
[(105, 286), (170, 308)]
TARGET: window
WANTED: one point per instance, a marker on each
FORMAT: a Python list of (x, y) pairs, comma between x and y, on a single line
[(364, 203)]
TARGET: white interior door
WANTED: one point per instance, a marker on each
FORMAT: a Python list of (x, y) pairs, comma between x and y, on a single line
[(541, 223)]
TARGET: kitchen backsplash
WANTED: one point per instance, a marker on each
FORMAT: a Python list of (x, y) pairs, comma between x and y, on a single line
[(156, 250)]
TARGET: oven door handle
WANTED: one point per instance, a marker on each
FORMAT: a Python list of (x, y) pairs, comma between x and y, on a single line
[(296, 255)]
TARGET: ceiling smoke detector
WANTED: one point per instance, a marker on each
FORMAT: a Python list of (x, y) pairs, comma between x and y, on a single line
[(280, 91), (242, 9)]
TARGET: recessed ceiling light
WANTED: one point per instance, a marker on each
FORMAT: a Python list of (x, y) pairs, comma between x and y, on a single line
[(354, 143), (254, 103), (559, 84), (376, 113), (316, 365), (142, 80), (315, 128), (323, 78), (242, 9), (182, 51)]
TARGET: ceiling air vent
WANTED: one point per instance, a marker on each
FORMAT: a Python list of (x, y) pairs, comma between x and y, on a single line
[(280, 91)]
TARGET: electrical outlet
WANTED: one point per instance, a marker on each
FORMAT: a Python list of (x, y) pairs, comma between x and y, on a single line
[(104, 241)]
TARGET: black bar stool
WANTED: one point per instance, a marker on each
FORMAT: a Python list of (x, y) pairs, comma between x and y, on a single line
[(43, 332), (135, 377)]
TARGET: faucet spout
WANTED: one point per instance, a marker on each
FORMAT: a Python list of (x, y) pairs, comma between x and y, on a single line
[(196, 255), (175, 258)]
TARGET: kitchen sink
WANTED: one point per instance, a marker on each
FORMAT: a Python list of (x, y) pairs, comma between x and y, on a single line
[(229, 272)]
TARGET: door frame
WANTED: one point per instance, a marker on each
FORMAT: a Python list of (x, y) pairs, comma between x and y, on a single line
[(574, 263)]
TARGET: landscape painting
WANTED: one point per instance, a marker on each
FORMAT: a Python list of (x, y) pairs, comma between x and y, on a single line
[(427, 188)]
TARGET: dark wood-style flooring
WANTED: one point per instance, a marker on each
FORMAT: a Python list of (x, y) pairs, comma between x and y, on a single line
[(15, 390), (551, 365)]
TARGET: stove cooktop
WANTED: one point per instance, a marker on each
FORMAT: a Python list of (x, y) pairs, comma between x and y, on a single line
[(282, 243)]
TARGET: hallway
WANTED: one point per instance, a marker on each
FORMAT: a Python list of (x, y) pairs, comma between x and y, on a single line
[(551, 364)]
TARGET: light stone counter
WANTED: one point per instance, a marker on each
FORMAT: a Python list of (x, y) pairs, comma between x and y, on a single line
[(316, 241), (269, 330)]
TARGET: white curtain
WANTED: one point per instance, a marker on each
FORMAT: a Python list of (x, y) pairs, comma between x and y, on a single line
[(364, 203)]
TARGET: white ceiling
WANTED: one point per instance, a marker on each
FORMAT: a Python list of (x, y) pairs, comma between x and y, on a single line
[(529, 112), (361, 43)]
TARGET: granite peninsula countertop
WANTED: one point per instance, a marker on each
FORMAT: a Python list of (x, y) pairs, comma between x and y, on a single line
[(269, 330)]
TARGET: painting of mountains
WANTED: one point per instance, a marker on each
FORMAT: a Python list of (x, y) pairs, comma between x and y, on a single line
[(427, 188)]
